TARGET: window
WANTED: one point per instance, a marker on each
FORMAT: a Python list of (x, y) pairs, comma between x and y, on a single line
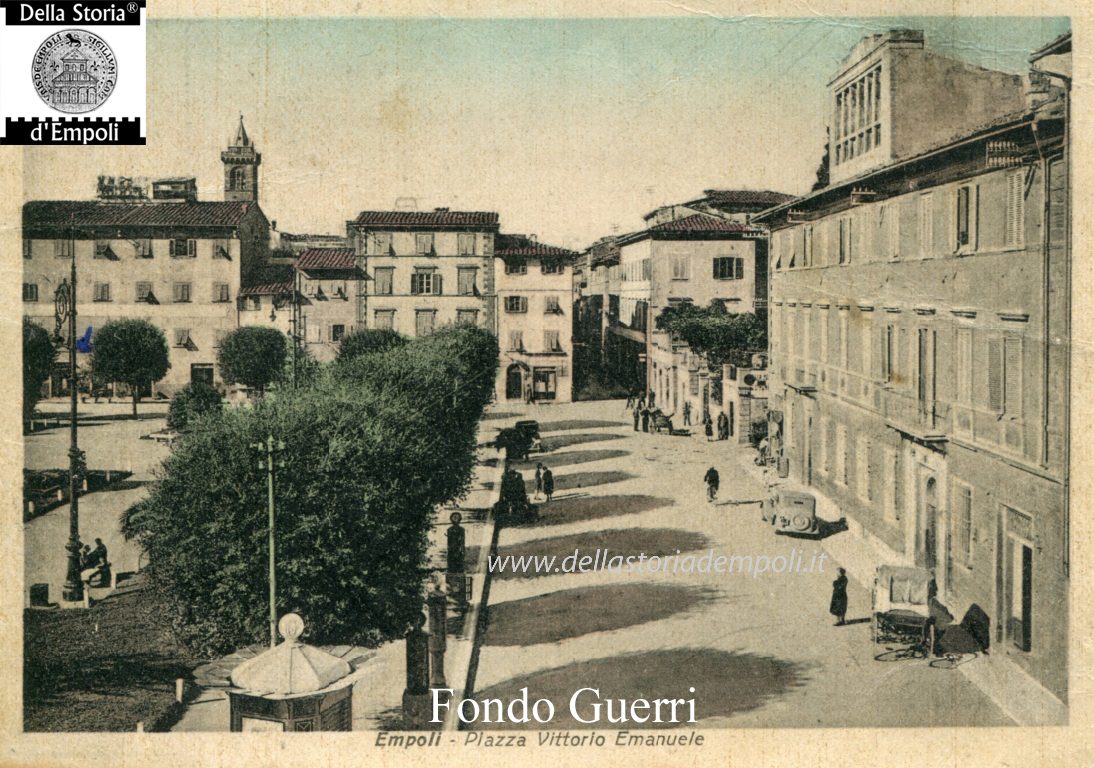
[(144, 291), (221, 293), (822, 446), (892, 480), (515, 267), (382, 280), (551, 342), (889, 230), (466, 280), (862, 468), (465, 243), (221, 249), (962, 522), (218, 338), (1005, 375), (381, 244), (467, 317), (62, 248), (551, 305), (26, 249), (424, 321), (681, 269), (103, 250), (425, 282), (963, 372), (182, 337), (841, 455), (516, 341), (181, 293), (384, 319), (967, 202), (926, 224), (823, 323), (337, 332), (846, 238), (423, 243), (1014, 226), (102, 292), (515, 304), (729, 268), (143, 248), (237, 178), (30, 291), (181, 248), (551, 267), (807, 246)]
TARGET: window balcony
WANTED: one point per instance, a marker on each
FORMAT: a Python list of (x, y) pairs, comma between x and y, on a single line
[(926, 421)]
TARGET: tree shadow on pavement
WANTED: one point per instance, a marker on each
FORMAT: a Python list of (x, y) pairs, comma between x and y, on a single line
[(498, 415), (653, 542), (725, 683), (559, 426), (572, 613), (576, 509), (554, 442), (571, 457), (576, 480)]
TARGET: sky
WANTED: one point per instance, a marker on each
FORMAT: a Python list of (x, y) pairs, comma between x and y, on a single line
[(570, 129)]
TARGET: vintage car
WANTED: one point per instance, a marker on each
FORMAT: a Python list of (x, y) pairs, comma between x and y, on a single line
[(901, 607), (530, 429), (792, 512)]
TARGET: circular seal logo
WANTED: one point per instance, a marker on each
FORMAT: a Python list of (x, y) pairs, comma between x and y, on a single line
[(74, 71)]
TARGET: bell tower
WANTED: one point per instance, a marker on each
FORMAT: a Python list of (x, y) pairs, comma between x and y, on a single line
[(241, 163)]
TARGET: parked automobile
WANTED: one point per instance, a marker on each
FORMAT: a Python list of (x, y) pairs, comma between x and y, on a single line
[(792, 512)]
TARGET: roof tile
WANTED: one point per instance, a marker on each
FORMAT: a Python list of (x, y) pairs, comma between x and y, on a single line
[(326, 258), (91, 213), (427, 218)]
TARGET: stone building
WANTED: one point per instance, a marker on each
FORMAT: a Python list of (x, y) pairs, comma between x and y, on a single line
[(535, 320), (919, 334), (329, 289), (172, 260), (426, 269)]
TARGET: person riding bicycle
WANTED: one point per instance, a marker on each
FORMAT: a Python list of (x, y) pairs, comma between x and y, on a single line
[(711, 479)]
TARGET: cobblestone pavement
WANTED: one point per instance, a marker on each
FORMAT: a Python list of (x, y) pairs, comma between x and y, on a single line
[(760, 651)]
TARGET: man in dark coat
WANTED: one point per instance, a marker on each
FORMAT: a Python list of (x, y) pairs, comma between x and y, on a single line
[(548, 483), (723, 426), (712, 480), (637, 417), (838, 606), (687, 413), (645, 419)]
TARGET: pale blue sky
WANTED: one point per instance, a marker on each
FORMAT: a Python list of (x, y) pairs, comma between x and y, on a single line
[(567, 128)]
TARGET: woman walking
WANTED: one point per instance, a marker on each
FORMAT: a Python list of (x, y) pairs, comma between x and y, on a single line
[(708, 427), (539, 479), (548, 483), (838, 607)]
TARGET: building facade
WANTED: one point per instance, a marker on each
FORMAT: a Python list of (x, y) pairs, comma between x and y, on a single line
[(426, 269), (535, 284), (919, 342)]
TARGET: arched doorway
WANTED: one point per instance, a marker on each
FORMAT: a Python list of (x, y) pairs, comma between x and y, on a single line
[(514, 381)]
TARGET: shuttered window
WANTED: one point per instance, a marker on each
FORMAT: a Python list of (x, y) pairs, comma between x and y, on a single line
[(962, 533), (963, 383), (926, 224), (862, 469), (1012, 376), (865, 343), (382, 280), (995, 375), (1014, 227)]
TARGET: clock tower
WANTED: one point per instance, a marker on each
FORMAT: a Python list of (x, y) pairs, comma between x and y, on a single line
[(241, 163)]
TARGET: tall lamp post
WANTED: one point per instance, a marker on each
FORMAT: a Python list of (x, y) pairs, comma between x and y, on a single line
[(65, 312), (268, 449)]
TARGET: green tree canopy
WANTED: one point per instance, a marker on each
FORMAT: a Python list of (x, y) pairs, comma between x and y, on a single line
[(368, 340), (367, 460), (192, 402), (133, 352), (719, 336), (253, 356), (38, 356)]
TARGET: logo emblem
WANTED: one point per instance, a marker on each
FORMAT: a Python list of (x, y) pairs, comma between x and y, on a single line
[(74, 71)]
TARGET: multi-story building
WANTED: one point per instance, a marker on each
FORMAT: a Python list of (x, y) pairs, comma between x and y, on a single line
[(426, 269), (535, 320), (172, 260), (919, 334), (330, 286), (594, 311)]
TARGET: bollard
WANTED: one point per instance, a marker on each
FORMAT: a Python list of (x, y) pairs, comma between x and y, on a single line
[(416, 705)]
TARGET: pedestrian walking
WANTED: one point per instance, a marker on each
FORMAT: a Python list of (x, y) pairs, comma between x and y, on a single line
[(711, 479), (645, 419), (539, 479), (630, 401), (708, 427), (687, 413), (637, 417), (723, 426), (528, 394), (838, 606), (548, 483)]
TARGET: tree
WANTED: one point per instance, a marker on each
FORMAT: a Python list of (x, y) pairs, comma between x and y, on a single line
[(133, 352), (253, 356), (369, 455), (719, 336), (823, 168), (38, 356), (193, 401), (368, 340)]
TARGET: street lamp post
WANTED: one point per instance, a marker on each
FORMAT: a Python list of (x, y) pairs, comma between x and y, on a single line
[(65, 311), (269, 449)]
